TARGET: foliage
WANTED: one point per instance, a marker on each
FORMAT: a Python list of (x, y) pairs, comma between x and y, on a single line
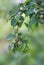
[(25, 49)]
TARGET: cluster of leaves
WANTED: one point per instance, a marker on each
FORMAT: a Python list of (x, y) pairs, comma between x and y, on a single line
[(30, 8), (25, 42)]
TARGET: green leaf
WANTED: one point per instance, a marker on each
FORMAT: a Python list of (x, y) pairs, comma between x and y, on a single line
[(42, 21), (33, 20), (42, 12), (18, 16), (22, 47), (11, 13), (27, 1), (14, 10), (21, 18), (13, 22), (11, 36), (30, 11), (11, 47)]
